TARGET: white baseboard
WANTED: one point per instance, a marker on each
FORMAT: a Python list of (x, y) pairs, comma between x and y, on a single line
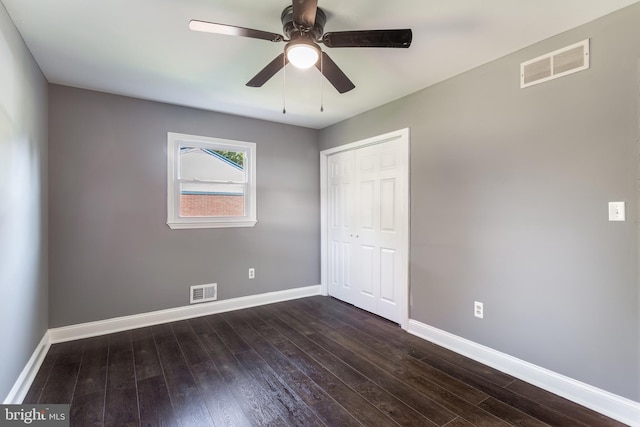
[(102, 327), (604, 402), (117, 324), (23, 383)]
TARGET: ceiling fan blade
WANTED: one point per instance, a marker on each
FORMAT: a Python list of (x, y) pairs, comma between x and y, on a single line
[(304, 13), (269, 71), (334, 74), (370, 38), (231, 30)]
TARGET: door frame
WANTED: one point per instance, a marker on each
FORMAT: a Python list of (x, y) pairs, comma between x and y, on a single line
[(403, 136)]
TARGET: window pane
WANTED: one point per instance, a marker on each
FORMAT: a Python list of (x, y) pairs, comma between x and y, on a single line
[(211, 200), (210, 165), (214, 183)]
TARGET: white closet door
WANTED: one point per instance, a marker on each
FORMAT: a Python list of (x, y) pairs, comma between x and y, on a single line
[(368, 201), (340, 175)]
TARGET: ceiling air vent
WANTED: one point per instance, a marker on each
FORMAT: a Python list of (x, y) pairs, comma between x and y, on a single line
[(203, 293), (561, 62)]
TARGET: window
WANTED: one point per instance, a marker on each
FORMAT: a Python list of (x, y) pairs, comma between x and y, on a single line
[(211, 182)]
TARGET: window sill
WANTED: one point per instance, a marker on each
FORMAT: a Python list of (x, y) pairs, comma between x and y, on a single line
[(179, 225)]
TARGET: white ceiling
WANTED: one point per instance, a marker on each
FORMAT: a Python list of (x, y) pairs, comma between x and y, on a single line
[(144, 48)]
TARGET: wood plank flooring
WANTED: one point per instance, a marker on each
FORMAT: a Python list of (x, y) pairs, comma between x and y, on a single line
[(308, 362)]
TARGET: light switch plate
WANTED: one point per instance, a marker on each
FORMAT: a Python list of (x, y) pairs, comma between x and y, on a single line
[(616, 211)]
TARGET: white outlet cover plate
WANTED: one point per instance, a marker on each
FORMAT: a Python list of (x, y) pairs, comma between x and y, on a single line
[(616, 211), (478, 309)]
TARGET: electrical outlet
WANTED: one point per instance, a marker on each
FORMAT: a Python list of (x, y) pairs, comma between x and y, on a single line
[(252, 273), (478, 309)]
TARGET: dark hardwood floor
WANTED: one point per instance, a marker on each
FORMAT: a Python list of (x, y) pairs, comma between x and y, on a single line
[(308, 362)]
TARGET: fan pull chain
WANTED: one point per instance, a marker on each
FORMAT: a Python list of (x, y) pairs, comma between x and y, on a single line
[(321, 83), (284, 85)]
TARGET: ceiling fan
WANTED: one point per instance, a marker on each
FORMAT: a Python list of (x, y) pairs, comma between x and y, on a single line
[(303, 25)]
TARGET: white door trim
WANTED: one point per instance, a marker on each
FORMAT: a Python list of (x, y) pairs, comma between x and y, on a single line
[(402, 134)]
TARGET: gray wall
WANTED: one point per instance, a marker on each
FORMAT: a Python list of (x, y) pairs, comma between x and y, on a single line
[(23, 204), (111, 252), (509, 193)]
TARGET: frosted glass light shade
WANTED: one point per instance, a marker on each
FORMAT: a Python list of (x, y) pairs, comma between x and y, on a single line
[(302, 55)]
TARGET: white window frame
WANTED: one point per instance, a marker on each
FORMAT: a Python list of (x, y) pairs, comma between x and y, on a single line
[(174, 220)]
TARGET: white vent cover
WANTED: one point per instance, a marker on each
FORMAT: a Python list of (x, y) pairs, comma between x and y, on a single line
[(561, 62), (203, 293)]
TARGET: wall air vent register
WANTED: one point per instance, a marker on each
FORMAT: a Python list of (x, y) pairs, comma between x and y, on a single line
[(559, 63), (203, 293)]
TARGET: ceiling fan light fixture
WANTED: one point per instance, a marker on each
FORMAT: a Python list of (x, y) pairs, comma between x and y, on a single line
[(302, 53), (303, 28)]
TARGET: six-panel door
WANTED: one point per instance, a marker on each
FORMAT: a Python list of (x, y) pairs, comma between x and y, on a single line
[(367, 206)]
